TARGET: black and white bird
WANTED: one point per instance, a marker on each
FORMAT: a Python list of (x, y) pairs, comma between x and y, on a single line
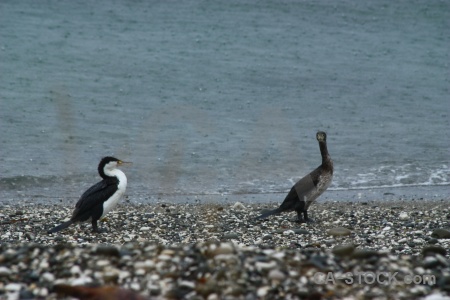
[(100, 198), (309, 188)]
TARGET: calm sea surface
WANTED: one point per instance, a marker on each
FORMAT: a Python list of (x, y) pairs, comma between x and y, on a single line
[(221, 100)]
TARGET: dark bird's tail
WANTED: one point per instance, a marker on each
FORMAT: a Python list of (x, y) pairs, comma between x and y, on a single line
[(269, 213), (60, 227)]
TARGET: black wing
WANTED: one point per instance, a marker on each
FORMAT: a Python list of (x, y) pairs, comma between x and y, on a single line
[(291, 200), (308, 183), (295, 199), (94, 197)]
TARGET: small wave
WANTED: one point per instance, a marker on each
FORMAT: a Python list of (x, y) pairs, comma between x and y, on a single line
[(408, 175), (399, 185), (20, 182)]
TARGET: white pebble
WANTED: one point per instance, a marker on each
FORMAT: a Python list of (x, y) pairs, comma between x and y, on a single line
[(419, 270), (188, 284), (124, 274), (49, 277), (155, 277), (224, 248), (265, 265), (403, 216), (146, 265), (102, 263), (75, 270), (164, 257), (4, 271), (13, 287), (42, 292), (168, 252), (213, 297), (293, 274), (279, 255), (276, 274), (82, 280), (429, 259), (139, 272), (144, 229), (44, 265), (227, 258), (238, 206), (262, 291), (436, 296)]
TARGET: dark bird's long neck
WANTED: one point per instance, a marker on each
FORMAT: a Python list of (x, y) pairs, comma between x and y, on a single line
[(326, 159)]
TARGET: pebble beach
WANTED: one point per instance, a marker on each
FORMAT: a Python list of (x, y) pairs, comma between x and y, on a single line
[(214, 251)]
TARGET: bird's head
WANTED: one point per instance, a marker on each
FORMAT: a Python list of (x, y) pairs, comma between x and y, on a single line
[(321, 136), (110, 163)]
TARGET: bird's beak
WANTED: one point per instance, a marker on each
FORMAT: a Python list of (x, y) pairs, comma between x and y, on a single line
[(125, 162)]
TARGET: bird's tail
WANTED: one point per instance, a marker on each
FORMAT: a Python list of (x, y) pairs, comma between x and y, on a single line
[(269, 213), (60, 227)]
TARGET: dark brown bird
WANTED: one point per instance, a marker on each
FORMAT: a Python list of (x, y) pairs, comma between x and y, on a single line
[(309, 188)]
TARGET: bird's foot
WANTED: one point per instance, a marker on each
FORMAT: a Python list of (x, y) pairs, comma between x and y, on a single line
[(99, 230), (302, 220), (298, 220)]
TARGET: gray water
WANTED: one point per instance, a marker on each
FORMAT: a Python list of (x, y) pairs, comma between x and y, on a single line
[(222, 99)]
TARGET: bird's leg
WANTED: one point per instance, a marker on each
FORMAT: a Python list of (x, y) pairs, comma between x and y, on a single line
[(299, 217), (95, 227), (305, 216)]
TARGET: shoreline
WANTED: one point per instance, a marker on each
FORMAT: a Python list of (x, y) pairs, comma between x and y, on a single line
[(374, 194), (384, 236)]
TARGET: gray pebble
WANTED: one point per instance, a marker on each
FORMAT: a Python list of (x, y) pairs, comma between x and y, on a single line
[(343, 250), (430, 262), (339, 231), (230, 236), (433, 249), (267, 237), (301, 231), (107, 250), (441, 233), (432, 241), (364, 253), (276, 274)]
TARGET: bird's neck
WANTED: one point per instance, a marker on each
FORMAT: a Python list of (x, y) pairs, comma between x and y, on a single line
[(326, 159), (108, 173)]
